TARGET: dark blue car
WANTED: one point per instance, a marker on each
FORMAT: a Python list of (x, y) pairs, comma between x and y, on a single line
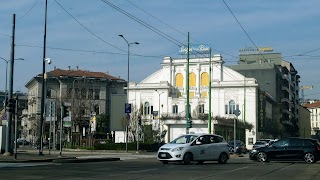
[(294, 148)]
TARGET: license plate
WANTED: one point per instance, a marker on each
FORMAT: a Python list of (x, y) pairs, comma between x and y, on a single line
[(163, 155)]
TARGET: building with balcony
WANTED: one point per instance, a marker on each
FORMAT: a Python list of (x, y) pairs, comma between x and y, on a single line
[(280, 79), (161, 98), (314, 109), (86, 93)]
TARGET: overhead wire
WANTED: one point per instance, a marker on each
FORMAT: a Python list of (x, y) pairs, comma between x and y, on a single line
[(28, 10), (245, 32), (91, 32), (157, 31), (175, 28), (87, 51)]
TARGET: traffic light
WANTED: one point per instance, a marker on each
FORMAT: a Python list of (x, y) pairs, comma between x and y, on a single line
[(189, 124), (65, 111), (12, 105)]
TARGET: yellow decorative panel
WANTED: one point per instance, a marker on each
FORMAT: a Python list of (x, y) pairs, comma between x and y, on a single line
[(191, 94), (205, 79), (192, 80), (179, 80), (204, 94)]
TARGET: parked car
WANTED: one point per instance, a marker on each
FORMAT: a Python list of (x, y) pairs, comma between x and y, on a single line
[(240, 147), (21, 141), (294, 148), (195, 147), (260, 144)]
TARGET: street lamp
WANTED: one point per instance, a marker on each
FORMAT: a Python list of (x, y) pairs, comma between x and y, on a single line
[(127, 84), (5, 90), (45, 60), (159, 93)]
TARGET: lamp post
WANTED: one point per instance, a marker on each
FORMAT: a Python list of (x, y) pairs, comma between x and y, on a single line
[(5, 90), (159, 93), (43, 73), (127, 84)]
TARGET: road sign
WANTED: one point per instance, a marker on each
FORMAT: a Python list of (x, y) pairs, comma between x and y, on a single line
[(4, 116), (127, 108), (237, 112)]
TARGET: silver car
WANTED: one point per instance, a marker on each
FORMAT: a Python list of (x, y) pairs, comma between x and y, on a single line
[(195, 147)]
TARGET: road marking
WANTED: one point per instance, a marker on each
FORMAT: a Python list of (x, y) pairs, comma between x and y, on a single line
[(204, 177)]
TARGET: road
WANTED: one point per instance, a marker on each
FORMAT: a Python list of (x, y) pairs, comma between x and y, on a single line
[(150, 168)]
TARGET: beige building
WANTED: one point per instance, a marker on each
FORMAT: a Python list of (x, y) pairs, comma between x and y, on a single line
[(314, 109), (86, 93)]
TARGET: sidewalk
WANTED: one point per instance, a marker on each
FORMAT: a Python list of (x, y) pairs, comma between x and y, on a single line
[(29, 155)]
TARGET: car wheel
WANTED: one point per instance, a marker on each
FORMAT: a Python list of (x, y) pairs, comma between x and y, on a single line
[(309, 158), (164, 162), (223, 158), (187, 158), (262, 157)]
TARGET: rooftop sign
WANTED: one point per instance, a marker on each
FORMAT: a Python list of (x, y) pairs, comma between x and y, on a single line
[(201, 49), (249, 50)]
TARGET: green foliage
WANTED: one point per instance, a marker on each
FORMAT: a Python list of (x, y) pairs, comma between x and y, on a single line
[(103, 123)]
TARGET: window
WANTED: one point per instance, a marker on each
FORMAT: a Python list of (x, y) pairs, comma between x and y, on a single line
[(201, 108), (175, 109), (48, 93), (83, 93), (296, 142), (231, 107), (96, 94), (282, 143), (204, 79), (204, 94), (179, 80), (69, 93), (250, 141), (146, 108), (90, 94), (192, 80)]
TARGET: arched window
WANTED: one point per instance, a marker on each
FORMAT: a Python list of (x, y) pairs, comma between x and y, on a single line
[(179, 80), (175, 109), (146, 108), (192, 80), (205, 79), (201, 108), (231, 107)]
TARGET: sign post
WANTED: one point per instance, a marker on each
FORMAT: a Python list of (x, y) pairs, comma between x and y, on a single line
[(237, 113)]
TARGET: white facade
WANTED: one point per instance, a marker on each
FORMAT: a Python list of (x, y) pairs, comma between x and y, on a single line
[(164, 91)]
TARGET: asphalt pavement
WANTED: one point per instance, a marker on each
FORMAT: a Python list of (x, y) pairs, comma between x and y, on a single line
[(28, 154)]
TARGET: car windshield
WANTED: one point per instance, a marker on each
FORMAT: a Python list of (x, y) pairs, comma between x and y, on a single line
[(184, 139), (260, 143)]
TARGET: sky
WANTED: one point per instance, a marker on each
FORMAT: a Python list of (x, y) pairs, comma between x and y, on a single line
[(84, 33)]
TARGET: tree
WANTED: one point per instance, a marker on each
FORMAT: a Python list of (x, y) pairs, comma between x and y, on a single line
[(103, 124)]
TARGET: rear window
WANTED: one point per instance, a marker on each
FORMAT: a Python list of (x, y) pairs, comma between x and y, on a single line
[(260, 143)]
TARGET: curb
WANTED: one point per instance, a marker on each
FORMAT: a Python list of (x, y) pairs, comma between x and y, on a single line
[(35, 160), (84, 160)]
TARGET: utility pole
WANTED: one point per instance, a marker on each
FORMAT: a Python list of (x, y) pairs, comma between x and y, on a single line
[(209, 117), (43, 81), (187, 84), (8, 149)]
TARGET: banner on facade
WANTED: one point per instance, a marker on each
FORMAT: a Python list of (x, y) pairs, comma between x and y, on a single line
[(261, 111)]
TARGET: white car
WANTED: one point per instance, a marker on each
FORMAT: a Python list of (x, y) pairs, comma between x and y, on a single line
[(195, 147)]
